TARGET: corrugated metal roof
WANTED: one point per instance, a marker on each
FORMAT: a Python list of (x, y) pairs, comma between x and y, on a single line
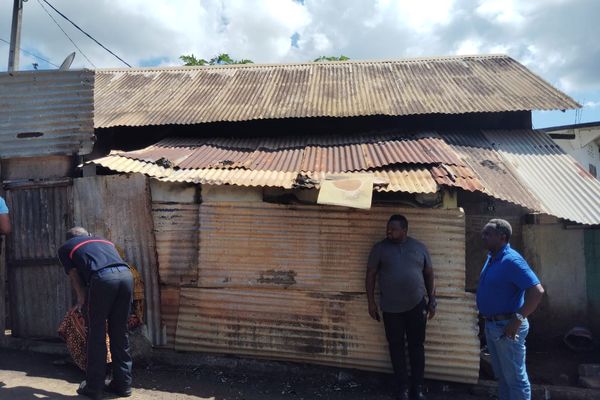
[(555, 178), (46, 113), (523, 167), (447, 85)]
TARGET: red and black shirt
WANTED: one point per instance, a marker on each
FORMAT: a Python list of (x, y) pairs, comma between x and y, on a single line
[(88, 254)]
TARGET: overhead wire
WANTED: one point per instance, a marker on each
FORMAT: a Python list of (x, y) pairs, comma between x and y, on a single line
[(85, 33), (66, 34), (31, 54)]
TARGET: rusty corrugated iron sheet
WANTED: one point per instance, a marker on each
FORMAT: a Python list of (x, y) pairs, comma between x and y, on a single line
[(330, 328), (40, 291), (46, 113), (169, 310), (493, 170), (555, 178), (119, 208), (275, 252), (275, 295), (176, 232), (507, 165), (447, 85)]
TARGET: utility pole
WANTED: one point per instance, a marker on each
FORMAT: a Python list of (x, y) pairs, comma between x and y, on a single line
[(15, 36)]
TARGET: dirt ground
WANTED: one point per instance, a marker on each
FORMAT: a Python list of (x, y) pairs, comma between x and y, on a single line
[(26, 375)]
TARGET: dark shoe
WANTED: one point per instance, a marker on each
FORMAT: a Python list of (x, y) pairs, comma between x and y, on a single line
[(84, 390), (417, 393), (113, 389), (402, 394)]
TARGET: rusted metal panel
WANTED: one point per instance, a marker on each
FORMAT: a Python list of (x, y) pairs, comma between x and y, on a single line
[(39, 289), (46, 112), (321, 327), (446, 85), (493, 171), (176, 232), (564, 188), (169, 309), (317, 248), (119, 208), (40, 296)]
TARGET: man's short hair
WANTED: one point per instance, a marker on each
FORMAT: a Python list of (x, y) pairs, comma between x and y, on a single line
[(76, 231), (400, 218), (501, 226)]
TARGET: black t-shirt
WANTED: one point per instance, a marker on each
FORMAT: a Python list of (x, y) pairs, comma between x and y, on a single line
[(88, 254)]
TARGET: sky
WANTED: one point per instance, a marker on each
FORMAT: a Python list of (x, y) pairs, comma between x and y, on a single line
[(557, 39)]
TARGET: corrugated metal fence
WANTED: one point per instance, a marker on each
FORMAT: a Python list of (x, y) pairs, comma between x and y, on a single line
[(287, 282)]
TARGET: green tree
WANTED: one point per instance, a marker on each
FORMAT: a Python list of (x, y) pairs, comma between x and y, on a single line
[(331, 58), (221, 59)]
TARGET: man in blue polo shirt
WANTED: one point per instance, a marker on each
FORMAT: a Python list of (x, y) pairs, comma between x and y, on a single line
[(5, 227), (104, 284), (509, 291)]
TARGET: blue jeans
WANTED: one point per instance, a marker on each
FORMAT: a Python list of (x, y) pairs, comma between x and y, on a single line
[(508, 360)]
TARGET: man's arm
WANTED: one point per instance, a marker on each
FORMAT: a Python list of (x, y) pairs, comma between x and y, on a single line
[(430, 287), (78, 286), (533, 297), (5, 227), (370, 286)]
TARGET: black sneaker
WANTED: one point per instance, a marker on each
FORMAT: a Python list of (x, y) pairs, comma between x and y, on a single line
[(84, 390), (125, 392)]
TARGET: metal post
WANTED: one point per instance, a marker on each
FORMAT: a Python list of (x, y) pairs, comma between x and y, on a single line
[(15, 36)]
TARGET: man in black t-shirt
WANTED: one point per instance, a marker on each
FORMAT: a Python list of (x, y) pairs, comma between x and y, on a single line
[(104, 287)]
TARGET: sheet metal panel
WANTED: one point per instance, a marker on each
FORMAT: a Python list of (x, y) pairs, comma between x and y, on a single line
[(176, 233), (119, 208), (169, 309), (447, 85), (321, 327), (40, 291), (317, 248), (46, 112), (563, 186)]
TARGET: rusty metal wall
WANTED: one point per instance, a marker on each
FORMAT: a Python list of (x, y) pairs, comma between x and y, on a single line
[(119, 208), (39, 289), (317, 248), (46, 112), (320, 327), (176, 232), (287, 282), (169, 308)]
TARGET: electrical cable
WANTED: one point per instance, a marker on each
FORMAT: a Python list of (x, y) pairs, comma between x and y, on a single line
[(31, 54), (68, 37), (85, 33)]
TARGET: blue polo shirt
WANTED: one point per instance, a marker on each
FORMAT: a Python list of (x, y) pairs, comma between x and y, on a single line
[(503, 282), (3, 207)]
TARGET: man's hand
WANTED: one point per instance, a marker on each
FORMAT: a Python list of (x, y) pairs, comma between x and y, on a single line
[(512, 329), (431, 308), (373, 312)]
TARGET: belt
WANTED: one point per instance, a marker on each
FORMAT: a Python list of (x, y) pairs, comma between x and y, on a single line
[(118, 266), (500, 317)]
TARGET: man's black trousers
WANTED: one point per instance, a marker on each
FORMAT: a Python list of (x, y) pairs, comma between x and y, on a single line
[(109, 302), (412, 324)]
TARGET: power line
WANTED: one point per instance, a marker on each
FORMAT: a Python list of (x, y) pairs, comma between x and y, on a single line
[(85, 33), (63, 31), (31, 54)]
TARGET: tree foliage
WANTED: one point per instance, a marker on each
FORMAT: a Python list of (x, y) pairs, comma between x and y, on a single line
[(221, 59), (331, 58)]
